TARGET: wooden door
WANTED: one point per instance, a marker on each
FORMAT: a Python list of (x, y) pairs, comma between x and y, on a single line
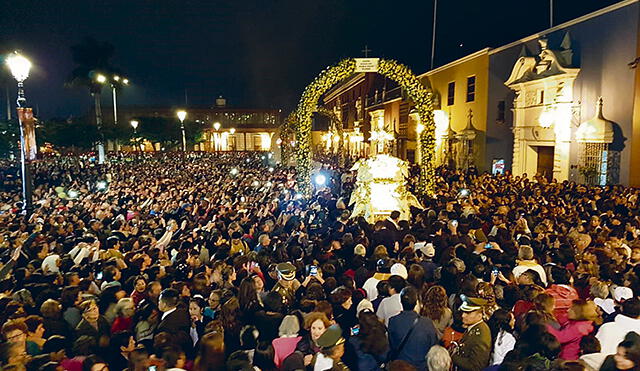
[(545, 161)]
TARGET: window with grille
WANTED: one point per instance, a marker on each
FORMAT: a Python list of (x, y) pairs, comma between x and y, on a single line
[(471, 88), (594, 163)]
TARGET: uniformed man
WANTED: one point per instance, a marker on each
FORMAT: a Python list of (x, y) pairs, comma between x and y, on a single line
[(287, 284), (472, 353), (331, 344)]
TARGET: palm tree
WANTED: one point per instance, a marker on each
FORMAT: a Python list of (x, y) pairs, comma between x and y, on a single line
[(92, 59)]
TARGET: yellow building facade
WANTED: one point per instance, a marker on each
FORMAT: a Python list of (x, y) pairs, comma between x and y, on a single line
[(461, 88)]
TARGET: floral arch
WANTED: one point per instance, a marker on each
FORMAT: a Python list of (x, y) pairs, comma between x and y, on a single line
[(417, 92)]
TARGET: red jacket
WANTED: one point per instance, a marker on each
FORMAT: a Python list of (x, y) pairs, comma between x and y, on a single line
[(569, 337), (564, 295), (521, 307), (121, 324)]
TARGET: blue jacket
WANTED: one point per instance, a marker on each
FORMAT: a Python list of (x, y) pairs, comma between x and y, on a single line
[(362, 361), (422, 338)]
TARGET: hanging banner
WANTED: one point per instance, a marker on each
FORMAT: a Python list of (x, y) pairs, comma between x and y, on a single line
[(367, 64), (25, 115)]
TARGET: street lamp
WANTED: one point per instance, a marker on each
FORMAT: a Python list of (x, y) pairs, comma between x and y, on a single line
[(100, 79), (117, 82), (20, 67), (181, 116), (216, 141), (134, 125)]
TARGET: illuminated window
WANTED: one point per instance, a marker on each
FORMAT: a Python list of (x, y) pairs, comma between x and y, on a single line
[(471, 88), (451, 93)]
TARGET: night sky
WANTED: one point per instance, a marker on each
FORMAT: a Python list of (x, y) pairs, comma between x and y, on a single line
[(257, 53)]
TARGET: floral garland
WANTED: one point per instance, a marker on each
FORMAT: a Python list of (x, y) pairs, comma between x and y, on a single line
[(421, 97), (287, 132), (336, 124)]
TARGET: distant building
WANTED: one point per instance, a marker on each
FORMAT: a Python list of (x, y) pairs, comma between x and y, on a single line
[(239, 129)]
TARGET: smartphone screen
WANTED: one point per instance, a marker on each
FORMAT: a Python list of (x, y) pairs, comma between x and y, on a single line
[(313, 270), (355, 330), (488, 245)]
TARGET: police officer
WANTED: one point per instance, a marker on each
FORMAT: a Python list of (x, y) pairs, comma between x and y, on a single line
[(287, 284), (331, 343), (472, 353)]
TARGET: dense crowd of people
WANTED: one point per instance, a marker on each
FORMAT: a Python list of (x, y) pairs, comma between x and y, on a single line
[(215, 262)]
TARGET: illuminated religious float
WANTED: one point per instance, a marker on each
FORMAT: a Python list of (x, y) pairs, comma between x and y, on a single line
[(381, 182)]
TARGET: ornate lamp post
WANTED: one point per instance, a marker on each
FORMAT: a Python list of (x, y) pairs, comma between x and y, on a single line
[(181, 116), (20, 67)]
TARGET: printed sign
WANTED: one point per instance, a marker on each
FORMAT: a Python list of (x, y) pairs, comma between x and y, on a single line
[(367, 64)]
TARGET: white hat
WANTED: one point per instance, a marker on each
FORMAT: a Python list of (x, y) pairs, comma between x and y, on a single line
[(362, 305), (399, 270), (426, 249), (622, 293)]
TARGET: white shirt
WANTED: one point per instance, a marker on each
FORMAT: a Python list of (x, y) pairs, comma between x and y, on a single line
[(322, 363), (193, 332), (389, 307), (504, 344), (165, 314), (593, 360), (370, 285), (611, 334)]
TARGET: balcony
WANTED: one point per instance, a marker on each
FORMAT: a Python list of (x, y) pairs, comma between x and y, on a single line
[(383, 96)]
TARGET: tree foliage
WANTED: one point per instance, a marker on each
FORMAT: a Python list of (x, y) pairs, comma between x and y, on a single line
[(80, 133), (168, 132)]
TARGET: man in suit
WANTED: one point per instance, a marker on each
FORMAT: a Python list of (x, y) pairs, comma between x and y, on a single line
[(472, 354), (174, 320), (410, 334), (382, 236), (391, 223)]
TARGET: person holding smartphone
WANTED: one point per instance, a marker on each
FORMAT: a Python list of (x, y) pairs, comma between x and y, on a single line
[(369, 342)]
